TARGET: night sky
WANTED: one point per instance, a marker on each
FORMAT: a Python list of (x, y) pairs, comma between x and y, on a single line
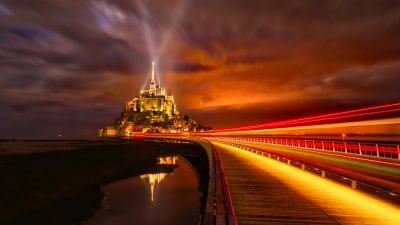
[(67, 66)]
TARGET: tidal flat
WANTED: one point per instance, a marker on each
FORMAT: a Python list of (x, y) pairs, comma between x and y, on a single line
[(60, 182)]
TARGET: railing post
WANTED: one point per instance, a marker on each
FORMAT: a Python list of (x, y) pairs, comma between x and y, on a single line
[(377, 150), (298, 143), (313, 144), (398, 152), (333, 146), (345, 147), (353, 184), (323, 147), (359, 148)]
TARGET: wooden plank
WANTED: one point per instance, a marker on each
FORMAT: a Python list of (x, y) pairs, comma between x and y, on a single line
[(258, 198)]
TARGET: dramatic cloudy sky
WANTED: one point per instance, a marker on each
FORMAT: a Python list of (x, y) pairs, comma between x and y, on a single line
[(67, 66)]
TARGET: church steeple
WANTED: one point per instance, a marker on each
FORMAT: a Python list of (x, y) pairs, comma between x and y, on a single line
[(153, 84), (153, 80)]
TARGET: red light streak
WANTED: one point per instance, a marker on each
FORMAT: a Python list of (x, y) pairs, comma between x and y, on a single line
[(331, 116)]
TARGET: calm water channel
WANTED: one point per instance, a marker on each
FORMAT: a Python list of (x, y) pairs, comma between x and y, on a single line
[(156, 199)]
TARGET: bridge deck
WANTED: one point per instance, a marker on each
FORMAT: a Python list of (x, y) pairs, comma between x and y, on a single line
[(384, 176), (258, 198), (264, 191)]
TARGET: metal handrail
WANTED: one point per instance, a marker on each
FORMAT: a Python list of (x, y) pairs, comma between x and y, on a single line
[(388, 151), (354, 183)]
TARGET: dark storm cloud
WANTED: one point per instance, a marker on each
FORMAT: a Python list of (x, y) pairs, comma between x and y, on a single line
[(191, 67), (376, 82), (23, 107), (73, 57), (5, 11), (345, 24), (76, 24)]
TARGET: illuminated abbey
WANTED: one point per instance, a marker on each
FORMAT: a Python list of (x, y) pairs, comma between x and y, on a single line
[(153, 99), (152, 110)]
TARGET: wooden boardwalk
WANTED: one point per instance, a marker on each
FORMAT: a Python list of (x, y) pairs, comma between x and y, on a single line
[(258, 198)]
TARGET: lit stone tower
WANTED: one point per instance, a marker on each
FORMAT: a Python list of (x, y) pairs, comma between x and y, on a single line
[(153, 99), (153, 84)]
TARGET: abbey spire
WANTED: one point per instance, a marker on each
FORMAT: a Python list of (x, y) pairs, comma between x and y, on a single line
[(153, 84), (153, 80)]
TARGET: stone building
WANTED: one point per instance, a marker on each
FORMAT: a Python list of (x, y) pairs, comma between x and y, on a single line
[(153, 99)]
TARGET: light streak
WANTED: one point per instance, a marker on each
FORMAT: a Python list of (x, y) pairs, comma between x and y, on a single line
[(367, 126), (326, 117), (342, 203), (155, 45)]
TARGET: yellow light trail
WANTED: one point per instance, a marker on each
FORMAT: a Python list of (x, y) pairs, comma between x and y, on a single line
[(345, 205), (380, 126)]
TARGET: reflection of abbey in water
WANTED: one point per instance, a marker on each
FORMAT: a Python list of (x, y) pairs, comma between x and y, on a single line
[(156, 178)]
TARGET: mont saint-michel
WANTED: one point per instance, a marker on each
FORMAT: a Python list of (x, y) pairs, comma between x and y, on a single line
[(152, 110)]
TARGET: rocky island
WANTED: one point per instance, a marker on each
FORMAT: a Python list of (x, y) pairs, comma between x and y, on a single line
[(152, 110)]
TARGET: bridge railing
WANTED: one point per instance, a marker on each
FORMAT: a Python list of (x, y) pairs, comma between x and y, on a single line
[(219, 208), (390, 151)]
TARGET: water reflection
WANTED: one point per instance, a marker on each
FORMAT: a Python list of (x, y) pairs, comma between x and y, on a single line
[(154, 179), (154, 198)]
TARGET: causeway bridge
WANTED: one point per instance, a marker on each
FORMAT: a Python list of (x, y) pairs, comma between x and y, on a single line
[(303, 172)]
